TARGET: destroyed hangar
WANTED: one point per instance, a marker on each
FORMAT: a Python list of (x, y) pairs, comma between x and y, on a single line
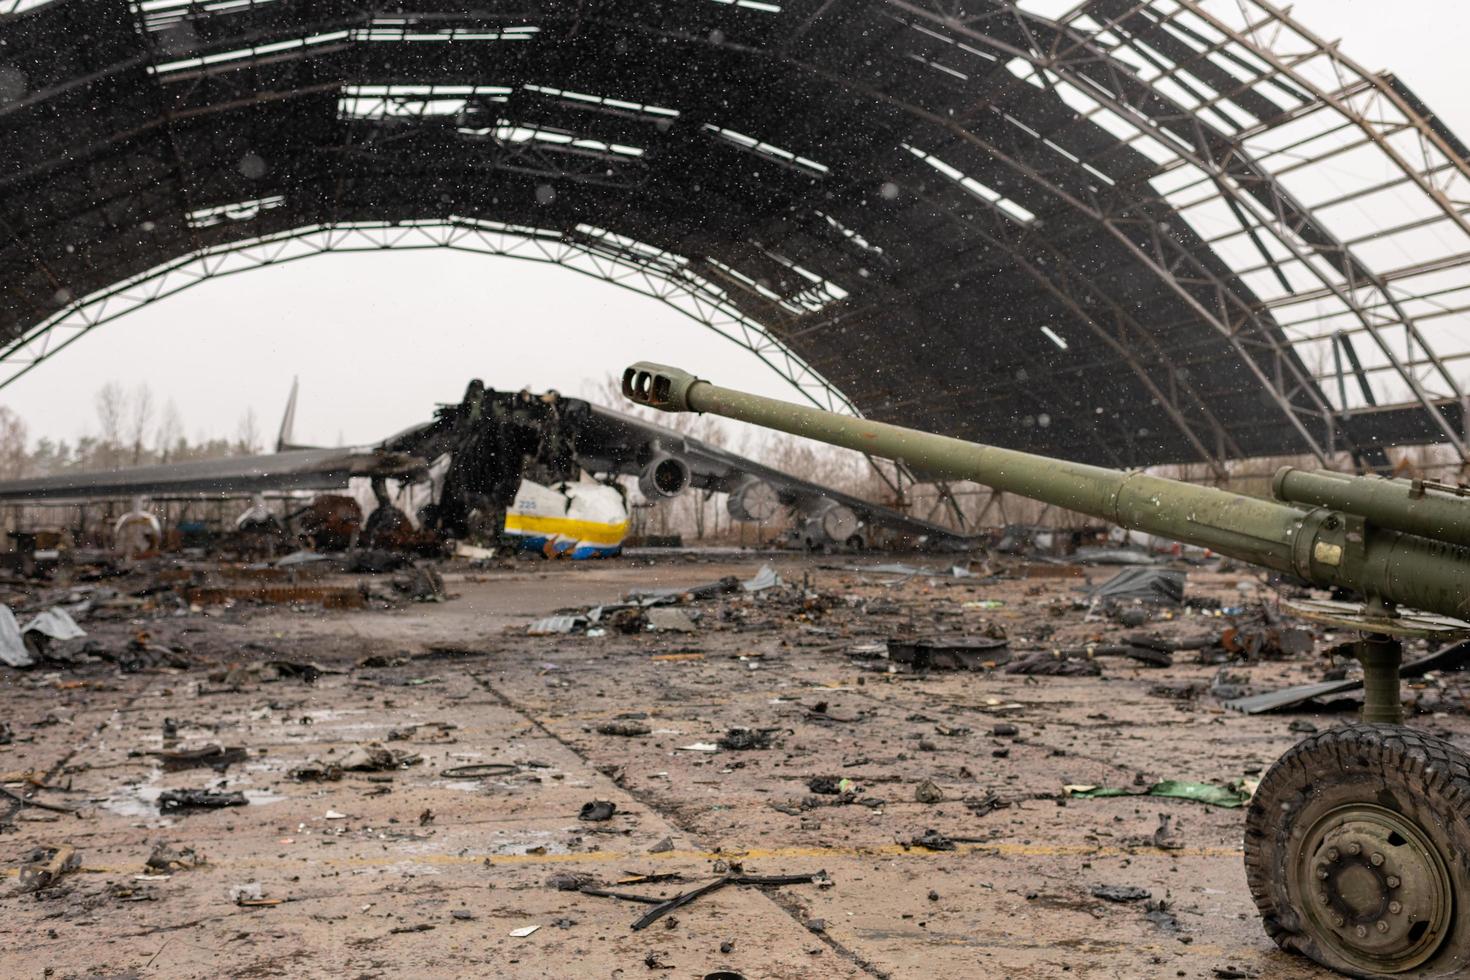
[(1180, 234)]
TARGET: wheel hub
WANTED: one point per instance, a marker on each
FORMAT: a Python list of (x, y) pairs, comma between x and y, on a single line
[(1373, 888)]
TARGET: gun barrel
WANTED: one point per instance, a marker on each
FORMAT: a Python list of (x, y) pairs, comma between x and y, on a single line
[(1317, 543), (1429, 510)]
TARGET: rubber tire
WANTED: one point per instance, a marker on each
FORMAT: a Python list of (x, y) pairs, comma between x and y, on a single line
[(1423, 778)]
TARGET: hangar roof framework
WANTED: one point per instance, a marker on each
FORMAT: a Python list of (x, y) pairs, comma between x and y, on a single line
[(1126, 232)]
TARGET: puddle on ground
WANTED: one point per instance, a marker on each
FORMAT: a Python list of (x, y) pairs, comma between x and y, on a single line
[(140, 800)]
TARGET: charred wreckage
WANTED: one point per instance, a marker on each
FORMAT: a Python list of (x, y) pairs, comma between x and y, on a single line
[(499, 467)]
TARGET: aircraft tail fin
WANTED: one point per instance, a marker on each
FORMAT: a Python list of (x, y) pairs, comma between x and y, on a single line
[(288, 420)]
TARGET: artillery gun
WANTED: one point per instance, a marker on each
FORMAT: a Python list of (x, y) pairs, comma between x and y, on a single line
[(1357, 841)]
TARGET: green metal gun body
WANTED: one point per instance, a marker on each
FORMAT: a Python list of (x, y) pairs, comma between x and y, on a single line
[(1403, 562)]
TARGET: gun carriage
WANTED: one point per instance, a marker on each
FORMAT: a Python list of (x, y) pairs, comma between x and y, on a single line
[(1357, 842)]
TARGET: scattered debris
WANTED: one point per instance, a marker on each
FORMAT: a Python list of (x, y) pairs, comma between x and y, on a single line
[(31, 801), (556, 625), (968, 653), (700, 747), (829, 785), (1269, 641), (667, 619), (1152, 585), (625, 728), (45, 866), (1199, 792), (740, 739), (216, 757), (927, 792), (22, 646), (570, 881), (375, 757), (481, 770), (1055, 664), (1157, 912), (368, 757), (165, 859), (933, 840), (985, 805), (1120, 893), (764, 578), (597, 810), (420, 583), (1456, 656), (183, 800), (316, 772), (1167, 836), (679, 901), (251, 896)]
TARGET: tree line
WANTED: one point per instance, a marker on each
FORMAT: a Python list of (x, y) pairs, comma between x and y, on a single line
[(133, 429)]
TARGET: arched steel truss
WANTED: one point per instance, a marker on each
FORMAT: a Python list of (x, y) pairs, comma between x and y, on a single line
[(1136, 231), (598, 254), (1112, 56)]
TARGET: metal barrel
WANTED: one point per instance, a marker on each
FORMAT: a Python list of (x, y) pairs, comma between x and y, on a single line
[(1430, 510), (1324, 546)]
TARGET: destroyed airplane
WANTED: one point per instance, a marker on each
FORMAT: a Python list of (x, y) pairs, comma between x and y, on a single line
[(510, 466)]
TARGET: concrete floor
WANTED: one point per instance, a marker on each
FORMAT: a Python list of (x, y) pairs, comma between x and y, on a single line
[(412, 873)]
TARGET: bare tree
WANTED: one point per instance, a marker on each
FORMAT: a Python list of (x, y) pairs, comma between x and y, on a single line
[(140, 418), (111, 402), (14, 460), (170, 435), (247, 434)]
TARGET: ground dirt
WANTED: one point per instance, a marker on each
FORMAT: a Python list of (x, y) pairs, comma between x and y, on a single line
[(418, 873)]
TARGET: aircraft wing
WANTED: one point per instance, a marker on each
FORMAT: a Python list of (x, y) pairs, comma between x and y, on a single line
[(609, 441), (296, 469)]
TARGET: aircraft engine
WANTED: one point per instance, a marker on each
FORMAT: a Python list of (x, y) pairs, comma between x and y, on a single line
[(838, 523), (753, 500), (830, 524), (664, 476), (136, 533)]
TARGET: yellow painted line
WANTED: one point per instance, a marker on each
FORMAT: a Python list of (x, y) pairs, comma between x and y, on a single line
[(753, 854)]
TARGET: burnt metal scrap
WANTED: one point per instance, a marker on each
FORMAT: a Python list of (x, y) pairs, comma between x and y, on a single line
[(492, 440)]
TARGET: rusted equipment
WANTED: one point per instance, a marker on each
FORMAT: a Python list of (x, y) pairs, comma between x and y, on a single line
[(1354, 842), (331, 522)]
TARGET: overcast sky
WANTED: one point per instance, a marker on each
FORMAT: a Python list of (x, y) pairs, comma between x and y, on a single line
[(378, 339)]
